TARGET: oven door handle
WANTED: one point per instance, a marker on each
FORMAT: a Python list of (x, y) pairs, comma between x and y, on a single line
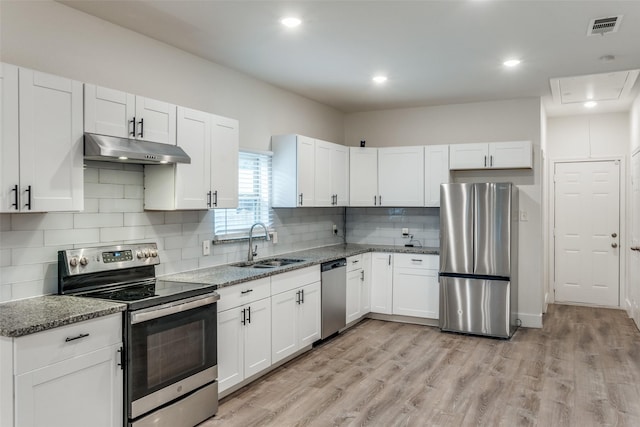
[(172, 308)]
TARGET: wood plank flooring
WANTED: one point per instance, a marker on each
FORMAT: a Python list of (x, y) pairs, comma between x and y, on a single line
[(582, 369)]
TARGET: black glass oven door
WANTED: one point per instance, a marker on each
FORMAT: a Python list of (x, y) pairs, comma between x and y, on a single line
[(167, 349)]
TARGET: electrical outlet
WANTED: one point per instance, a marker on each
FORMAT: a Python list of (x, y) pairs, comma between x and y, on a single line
[(274, 237), (405, 232), (206, 247), (335, 229)]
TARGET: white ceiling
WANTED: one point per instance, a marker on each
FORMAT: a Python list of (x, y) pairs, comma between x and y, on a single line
[(434, 52)]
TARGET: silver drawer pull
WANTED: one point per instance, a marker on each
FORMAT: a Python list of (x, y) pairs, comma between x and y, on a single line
[(76, 338), (416, 260), (247, 291)]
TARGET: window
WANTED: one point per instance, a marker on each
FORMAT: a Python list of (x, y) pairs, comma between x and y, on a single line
[(254, 197)]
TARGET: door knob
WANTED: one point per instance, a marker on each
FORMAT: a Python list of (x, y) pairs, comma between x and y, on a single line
[(614, 235), (614, 245)]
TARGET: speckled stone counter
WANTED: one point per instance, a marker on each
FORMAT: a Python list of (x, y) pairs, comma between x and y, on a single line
[(227, 275), (28, 316)]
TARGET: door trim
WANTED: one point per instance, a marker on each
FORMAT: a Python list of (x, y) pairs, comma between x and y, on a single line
[(623, 302)]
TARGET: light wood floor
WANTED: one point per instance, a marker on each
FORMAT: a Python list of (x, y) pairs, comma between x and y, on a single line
[(582, 369)]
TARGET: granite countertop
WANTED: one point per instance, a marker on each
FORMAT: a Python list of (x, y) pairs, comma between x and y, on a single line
[(28, 316), (227, 275)]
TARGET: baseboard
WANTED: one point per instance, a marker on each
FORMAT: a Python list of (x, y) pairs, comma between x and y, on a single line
[(530, 320)]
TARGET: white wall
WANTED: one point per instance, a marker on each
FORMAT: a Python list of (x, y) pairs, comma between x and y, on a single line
[(50, 37), (633, 287), (476, 122), (634, 118), (593, 136)]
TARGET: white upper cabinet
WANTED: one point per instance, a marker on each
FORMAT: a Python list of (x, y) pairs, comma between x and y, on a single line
[(436, 172), (494, 155), (211, 179), (116, 113), (363, 176), (293, 171), (331, 174), (42, 157), (401, 176)]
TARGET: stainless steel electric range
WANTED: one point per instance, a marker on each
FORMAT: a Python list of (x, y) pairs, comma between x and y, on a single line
[(169, 329)]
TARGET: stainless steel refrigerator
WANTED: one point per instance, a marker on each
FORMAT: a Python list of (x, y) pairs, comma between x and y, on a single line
[(479, 258)]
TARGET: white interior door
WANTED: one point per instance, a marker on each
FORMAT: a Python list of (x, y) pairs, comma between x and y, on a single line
[(587, 229), (634, 259)]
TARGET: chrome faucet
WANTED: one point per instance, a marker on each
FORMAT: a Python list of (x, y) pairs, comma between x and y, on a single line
[(253, 252)]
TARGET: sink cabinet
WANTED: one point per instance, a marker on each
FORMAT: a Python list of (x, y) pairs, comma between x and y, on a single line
[(70, 383), (244, 331), (295, 311)]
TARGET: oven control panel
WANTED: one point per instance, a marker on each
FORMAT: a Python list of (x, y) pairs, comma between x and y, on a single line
[(106, 258)]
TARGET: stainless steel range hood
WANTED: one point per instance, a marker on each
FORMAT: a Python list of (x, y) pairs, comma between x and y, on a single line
[(113, 149)]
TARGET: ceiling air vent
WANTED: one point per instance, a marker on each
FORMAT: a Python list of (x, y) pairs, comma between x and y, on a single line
[(603, 26)]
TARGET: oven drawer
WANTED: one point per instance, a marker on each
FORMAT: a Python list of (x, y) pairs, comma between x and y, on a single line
[(48, 347), (243, 293)]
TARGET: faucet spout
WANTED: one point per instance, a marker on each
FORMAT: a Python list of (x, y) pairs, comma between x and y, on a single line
[(253, 252)]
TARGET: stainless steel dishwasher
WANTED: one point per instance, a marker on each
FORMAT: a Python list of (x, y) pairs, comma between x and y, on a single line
[(334, 296)]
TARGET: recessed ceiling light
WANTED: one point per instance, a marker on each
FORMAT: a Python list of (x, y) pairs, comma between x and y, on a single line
[(380, 79), (511, 62), (590, 104), (122, 158), (290, 21)]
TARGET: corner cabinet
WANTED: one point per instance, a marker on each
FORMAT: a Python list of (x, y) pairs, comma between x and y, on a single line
[(381, 282), (295, 311), (42, 147), (244, 331), (116, 113), (493, 155), (358, 288), (70, 376), (211, 179)]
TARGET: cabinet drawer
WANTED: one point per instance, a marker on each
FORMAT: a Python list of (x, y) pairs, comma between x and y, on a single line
[(354, 262), (48, 347), (294, 279), (243, 293), (427, 262)]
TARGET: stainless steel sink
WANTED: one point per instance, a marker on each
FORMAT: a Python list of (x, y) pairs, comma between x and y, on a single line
[(268, 263)]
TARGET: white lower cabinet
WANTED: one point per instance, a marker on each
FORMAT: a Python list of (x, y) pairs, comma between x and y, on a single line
[(244, 332), (358, 288), (295, 311), (381, 282), (415, 285), (70, 376)]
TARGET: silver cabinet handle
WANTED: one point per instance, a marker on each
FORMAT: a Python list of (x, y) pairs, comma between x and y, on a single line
[(244, 317), (389, 259), (362, 276), (215, 198), (374, 201), (380, 200), (249, 314), (416, 260), (301, 199)]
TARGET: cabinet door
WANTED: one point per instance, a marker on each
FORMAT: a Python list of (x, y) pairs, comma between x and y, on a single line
[(230, 348), (224, 162), (158, 120), (365, 294), (363, 176), (9, 142), (82, 391), (340, 174), (284, 311), (468, 156), (305, 171), (401, 176), (436, 172), (381, 283), (257, 337), (323, 177), (51, 144), (193, 180), (505, 155), (415, 292), (354, 291), (108, 111), (309, 320)]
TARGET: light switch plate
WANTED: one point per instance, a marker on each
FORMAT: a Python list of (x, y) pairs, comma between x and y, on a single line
[(206, 247)]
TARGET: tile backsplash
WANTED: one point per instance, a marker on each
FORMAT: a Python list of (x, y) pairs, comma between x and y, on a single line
[(114, 214)]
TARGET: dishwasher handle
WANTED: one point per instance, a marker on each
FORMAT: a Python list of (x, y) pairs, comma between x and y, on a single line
[(331, 265)]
